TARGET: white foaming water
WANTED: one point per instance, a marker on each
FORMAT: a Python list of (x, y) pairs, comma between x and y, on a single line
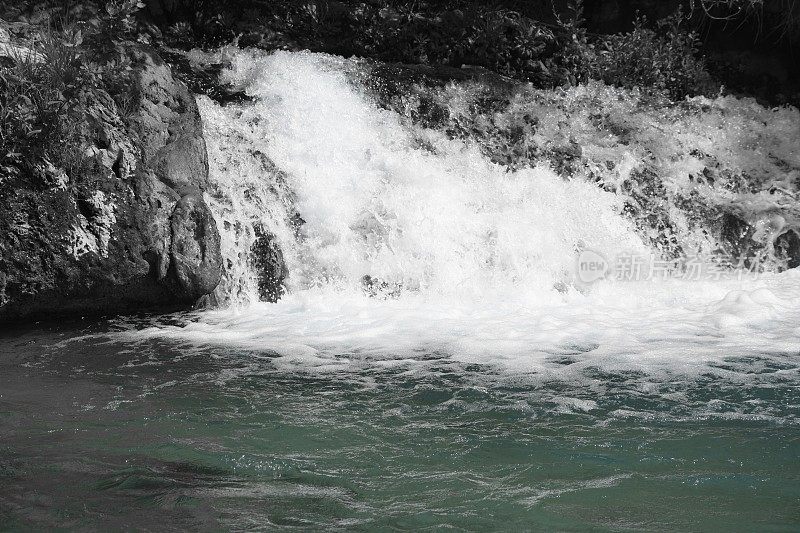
[(473, 261), (440, 218)]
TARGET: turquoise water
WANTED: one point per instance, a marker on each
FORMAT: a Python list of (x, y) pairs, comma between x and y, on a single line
[(98, 433)]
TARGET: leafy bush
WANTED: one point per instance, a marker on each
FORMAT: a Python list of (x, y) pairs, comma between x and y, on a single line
[(40, 88), (35, 93), (663, 59)]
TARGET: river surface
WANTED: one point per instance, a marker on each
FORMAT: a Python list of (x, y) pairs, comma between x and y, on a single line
[(99, 432)]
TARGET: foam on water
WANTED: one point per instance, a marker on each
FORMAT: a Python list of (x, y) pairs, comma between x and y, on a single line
[(692, 329), (473, 260)]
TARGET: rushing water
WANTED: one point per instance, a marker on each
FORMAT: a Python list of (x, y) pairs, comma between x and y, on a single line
[(439, 359)]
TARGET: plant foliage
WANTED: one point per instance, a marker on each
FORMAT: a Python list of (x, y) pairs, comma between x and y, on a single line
[(41, 83)]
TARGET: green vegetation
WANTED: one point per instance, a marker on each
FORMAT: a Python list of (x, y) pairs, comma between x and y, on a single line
[(664, 56), (47, 78), (666, 59)]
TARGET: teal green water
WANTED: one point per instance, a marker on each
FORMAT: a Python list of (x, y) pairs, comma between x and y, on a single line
[(100, 434)]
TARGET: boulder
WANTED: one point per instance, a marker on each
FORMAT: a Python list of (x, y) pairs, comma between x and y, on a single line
[(195, 259), (124, 227)]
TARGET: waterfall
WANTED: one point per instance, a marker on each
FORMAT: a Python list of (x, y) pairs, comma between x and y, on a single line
[(361, 193), (423, 219), (383, 199)]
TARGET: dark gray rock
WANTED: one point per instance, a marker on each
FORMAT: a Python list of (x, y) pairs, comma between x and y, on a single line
[(737, 234), (269, 265), (126, 229), (196, 261), (787, 246), (168, 124)]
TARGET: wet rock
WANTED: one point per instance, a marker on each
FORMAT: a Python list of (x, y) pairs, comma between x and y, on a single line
[(378, 288), (565, 157), (269, 265), (196, 259), (297, 222), (737, 235), (204, 79), (787, 248)]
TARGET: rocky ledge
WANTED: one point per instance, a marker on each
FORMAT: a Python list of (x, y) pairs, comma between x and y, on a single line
[(129, 229)]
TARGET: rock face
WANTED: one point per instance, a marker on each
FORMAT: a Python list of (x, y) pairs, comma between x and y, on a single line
[(126, 229)]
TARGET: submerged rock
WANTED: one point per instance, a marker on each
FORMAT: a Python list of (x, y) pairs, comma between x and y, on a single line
[(378, 288), (126, 227)]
